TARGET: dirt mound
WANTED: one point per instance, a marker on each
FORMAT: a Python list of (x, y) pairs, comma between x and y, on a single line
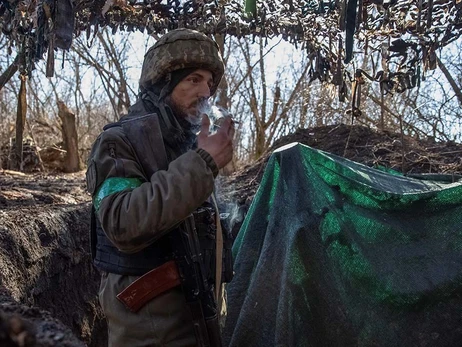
[(360, 144), (48, 287)]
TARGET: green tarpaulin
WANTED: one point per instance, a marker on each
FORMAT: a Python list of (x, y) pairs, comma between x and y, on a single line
[(335, 253)]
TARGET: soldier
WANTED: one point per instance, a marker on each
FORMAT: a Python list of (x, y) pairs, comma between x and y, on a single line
[(156, 237)]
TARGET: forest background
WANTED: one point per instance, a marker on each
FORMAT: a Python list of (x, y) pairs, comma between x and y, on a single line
[(270, 87)]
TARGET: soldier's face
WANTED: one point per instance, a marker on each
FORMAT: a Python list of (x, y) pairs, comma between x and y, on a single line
[(187, 96)]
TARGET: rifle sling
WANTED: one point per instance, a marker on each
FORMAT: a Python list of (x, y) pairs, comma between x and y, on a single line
[(218, 255)]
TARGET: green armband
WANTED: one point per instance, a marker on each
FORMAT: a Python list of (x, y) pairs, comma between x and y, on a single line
[(114, 185)]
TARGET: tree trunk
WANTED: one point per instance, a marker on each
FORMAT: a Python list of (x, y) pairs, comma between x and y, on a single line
[(450, 79), (72, 161), (260, 141), (222, 99), (15, 160)]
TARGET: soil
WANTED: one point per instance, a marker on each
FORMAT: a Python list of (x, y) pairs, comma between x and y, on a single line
[(47, 282), (360, 144), (48, 287)]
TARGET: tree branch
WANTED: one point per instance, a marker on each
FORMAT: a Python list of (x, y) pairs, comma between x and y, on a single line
[(9, 72), (451, 80)]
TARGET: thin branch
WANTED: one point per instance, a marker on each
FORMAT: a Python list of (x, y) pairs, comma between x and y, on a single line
[(263, 83), (9, 72), (249, 71)]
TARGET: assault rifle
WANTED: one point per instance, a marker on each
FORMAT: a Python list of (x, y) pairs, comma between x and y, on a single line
[(198, 291), (144, 134)]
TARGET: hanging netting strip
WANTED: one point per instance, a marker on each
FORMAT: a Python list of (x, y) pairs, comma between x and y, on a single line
[(335, 253)]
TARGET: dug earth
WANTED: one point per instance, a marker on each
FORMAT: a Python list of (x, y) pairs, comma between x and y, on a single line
[(47, 283), (48, 286)]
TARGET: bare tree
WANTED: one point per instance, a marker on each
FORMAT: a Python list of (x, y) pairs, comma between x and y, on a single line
[(93, 82), (269, 105), (109, 61), (268, 98)]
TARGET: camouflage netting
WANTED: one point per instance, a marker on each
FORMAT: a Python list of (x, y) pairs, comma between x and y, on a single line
[(407, 33), (335, 253)]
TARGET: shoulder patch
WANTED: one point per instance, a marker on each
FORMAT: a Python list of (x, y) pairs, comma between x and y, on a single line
[(91, 177)]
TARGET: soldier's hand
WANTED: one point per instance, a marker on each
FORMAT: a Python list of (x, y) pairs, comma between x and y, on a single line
[(220, 144)]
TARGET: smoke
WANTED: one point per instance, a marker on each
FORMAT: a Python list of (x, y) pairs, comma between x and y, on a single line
[(232, 210), (232, 215), (214, 112)]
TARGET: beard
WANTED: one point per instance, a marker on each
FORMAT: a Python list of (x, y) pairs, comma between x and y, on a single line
[(178, 111), (194, 118)]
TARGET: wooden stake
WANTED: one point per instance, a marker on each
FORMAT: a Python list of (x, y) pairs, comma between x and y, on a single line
[(20, 122)]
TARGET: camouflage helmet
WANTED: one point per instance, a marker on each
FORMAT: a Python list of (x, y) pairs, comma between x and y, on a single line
[(180, 49)]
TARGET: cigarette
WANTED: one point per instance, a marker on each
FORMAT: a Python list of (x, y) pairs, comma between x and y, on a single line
[(218, 124)]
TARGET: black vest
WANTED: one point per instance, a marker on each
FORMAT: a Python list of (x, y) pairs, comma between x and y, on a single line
[(109, 258)]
